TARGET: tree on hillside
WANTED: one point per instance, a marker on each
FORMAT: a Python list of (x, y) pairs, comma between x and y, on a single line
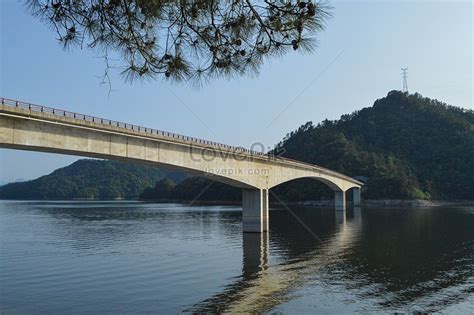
[(162, 190), (182, 39)]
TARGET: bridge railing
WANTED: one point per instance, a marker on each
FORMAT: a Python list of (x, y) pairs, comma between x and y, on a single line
[(118, 124)]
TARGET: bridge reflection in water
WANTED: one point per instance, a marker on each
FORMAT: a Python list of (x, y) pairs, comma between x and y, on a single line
[(262, 286)]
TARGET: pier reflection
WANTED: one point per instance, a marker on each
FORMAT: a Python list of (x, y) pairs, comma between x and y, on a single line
[(255, 254), (262, 285), (389, 257)]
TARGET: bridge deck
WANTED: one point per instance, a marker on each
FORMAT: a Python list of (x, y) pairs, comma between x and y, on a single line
[(43, 112)]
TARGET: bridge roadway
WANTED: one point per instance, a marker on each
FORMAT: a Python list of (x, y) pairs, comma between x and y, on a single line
[(25, 126)]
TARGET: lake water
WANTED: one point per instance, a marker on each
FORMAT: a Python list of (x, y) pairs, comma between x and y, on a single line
[(130, 257)]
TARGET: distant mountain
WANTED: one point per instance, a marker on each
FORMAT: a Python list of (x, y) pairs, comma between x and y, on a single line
[(98, 179), (4, 182)]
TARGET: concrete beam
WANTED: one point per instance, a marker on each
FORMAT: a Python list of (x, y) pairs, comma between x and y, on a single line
[(26, 129)]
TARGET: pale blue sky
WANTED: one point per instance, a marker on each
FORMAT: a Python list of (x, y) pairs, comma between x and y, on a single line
[(358, 60)]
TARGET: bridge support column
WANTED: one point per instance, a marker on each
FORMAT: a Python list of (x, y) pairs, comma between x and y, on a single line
[(356, 197), (340, 200), (255, 210), (265, 210)]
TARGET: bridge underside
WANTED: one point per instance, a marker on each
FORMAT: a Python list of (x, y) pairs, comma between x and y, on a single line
[(190, 171), (255, 206)]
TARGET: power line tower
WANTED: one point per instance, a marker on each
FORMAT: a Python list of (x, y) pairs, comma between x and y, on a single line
[(405, 76)]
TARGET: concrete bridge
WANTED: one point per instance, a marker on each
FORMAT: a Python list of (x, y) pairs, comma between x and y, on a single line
[(26, 126)]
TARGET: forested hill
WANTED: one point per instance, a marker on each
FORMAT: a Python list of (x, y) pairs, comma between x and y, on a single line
[(408, 147), (87, 178)]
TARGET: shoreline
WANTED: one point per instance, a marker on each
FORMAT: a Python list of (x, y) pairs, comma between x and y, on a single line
[(416, 203), (388, 203), (370, 203), (384, 203)]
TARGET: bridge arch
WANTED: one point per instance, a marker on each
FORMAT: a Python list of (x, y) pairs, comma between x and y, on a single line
[(335, 182), (340, 189), (331, 184)]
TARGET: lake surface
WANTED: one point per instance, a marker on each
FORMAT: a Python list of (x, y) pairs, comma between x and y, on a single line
[(127, 257)]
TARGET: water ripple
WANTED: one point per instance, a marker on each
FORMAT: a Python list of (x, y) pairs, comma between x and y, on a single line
[(129, 257)]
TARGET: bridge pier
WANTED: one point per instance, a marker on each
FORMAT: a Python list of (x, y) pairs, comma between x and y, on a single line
[(255, 210), (356, 197), (340, 200)]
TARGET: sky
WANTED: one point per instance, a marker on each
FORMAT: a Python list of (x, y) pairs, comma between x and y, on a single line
[(358, 61)]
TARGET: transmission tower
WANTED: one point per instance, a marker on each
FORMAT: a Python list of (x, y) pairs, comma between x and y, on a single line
[(405, 76)]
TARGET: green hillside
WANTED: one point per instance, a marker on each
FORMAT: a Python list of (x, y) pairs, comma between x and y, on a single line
[(98, 179), (192, 189), (408, 147)]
